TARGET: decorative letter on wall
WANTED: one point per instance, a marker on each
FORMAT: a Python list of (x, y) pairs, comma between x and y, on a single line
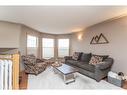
[(101, 39)]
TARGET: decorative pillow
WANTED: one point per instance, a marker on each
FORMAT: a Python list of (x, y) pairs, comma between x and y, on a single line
[(101, 63), (95, 59), (76, 55), (86, 57), (104, 56)]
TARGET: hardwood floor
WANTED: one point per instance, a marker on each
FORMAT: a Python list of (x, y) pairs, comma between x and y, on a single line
[(125, 85), (23, 81)]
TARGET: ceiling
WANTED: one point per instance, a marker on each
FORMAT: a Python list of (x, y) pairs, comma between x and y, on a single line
[(59, 19)]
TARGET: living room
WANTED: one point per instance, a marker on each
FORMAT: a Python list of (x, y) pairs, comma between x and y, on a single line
[(53, 47)]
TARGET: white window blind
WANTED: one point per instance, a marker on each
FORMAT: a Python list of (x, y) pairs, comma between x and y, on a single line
[(63, 47), (32, 45), (48, 48)]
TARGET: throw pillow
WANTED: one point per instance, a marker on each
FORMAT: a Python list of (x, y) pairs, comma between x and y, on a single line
[(101, 63), (76, 55), (86, 57), (103, 56), (95, 59)]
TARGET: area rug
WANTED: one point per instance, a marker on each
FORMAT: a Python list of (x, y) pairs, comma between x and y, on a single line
[(49, 80)]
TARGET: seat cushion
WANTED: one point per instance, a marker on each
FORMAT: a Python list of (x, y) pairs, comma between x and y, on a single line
[(72, 62), (87, 67), (81, 62), (85, 57)]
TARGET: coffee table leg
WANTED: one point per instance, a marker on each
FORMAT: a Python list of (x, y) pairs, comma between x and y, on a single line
[(75, 76), (55, 71), (69, 78), (64, 78)]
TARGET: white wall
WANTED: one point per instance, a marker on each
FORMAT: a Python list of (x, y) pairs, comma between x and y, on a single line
[(9, 35), (116, 32)]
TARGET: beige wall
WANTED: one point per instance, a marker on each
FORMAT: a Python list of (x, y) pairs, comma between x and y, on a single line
[(9, 35), (116, 32)]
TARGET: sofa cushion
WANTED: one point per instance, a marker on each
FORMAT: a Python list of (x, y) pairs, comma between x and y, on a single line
[(81, 62), (85, 57), (72, 62), (76, 56), (87, 67)]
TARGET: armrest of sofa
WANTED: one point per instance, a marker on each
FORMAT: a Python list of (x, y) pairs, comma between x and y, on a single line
[(68, 57), (107, 63)]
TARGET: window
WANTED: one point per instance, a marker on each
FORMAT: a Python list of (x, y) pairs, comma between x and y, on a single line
[(63, 47), (32, 44), (48, 48)]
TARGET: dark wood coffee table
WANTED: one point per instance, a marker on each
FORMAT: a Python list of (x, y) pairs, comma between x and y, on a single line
[(67, 72)]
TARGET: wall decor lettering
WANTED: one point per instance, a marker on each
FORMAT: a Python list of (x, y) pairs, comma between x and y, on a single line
[(99, 39)]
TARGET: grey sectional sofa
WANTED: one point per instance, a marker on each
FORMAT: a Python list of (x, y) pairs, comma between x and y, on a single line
[(96, 72)]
